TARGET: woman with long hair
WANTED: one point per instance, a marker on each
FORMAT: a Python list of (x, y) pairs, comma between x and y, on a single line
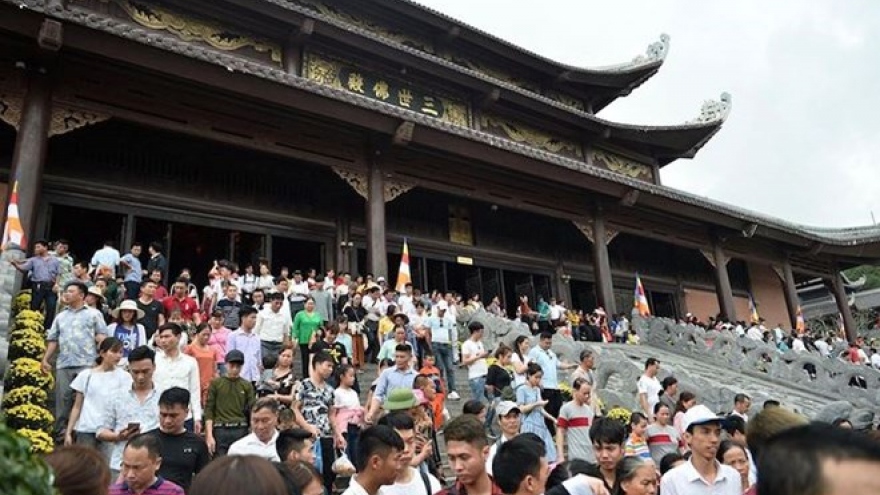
[(206, 355), (519, 359), (355, 312), (127, 329), (94, 389), (531, 406), (283, 382), (499, 380), (686, 400), (77, 470)]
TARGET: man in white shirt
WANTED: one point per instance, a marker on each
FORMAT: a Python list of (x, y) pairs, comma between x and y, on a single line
[(797, 345), (378, 461), (823, 346), (264, 433), (650, 388), (741, 405), (755, 333), (105, 260), (410, 481), (176, 369), (405, 303), (473, 355), (702, 474), (273, 326)]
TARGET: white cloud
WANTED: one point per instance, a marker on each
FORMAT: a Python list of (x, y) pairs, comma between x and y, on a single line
[(803, 140)]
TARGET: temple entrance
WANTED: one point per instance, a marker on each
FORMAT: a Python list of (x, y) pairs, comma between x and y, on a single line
[(85, 229), (583, 295)]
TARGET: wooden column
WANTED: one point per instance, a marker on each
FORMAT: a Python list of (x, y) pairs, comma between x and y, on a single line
[(377, 252), (31, 144), (561, 280), (602, 265), (790, 291), (343, 244), (722, 283), (849, 323)]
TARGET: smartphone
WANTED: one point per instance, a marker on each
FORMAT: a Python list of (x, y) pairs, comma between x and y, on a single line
[(133, 427)]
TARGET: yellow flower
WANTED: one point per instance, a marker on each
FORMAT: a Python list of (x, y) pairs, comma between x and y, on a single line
[(26, 371), (26, 333), (24, 395), (29, 315), (621, 414), (29, 416), (29, 347), (41, 442)]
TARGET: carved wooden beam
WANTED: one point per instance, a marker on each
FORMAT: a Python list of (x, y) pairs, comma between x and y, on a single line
[(630, 198), (51, 35), (490, 98), (749, 230), (403, 134)]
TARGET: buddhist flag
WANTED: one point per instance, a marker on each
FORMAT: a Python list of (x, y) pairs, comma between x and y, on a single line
[(403, 276), (800, 324), (753, 310), (13, 233), (640, 300)]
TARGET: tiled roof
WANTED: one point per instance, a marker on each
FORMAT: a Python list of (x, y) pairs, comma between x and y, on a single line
[(838, 237)]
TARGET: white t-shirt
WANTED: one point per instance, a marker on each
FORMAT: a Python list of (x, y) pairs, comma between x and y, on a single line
[(652, 388), (415, 486), (345, 398), (98, 389), (479, 367), (518, 378)]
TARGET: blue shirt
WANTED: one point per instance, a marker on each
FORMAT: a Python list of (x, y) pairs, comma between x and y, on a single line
[(249, 345), (125, 409), (393, 378), (549, 365), (134, 273), (44, 270), (75, 331)]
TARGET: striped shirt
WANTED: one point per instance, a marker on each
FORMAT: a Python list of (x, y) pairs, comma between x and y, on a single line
[(661, 440), (637, 447), (576, 420), (159, 487)]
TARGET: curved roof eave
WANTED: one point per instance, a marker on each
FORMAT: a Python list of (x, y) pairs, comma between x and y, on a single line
[(712, 111)]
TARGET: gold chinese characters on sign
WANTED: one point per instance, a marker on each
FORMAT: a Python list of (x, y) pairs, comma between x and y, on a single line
[(191, 29), (535, 138), (622, 165), (350, 78)]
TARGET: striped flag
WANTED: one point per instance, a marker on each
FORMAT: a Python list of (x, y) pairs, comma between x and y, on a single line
[(13, 232), (403, 275), (640, 300), (753, 310), (800, 324)]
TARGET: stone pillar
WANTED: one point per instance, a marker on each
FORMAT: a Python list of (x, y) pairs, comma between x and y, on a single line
[(790, 291), (377, 251), (28, 159), (849, 323), (602, 265), (722, 283)]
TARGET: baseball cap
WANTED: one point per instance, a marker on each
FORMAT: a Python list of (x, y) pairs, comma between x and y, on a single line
[(235, 356), (506, 407), (700, 415)]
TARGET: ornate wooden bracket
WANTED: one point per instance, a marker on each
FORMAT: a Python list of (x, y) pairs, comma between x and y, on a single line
[(586, 229), (358, 182), (779, 272), (64, 119), (710, 257)]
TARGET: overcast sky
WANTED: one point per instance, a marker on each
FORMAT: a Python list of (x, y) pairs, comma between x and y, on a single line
[(803, 139)]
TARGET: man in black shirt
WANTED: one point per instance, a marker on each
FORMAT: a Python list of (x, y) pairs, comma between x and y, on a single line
[(184, 454), (335, 349), (154, 312)]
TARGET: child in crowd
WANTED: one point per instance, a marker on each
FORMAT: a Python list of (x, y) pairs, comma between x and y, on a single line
[(430, 370), (636, 444)]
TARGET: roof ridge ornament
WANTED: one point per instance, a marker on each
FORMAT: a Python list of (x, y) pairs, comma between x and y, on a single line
[(714, 110), (656, 52)]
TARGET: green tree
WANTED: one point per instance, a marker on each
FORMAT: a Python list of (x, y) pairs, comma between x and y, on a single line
[(870, 272)]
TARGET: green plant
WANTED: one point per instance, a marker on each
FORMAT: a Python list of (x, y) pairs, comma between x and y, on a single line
[(21, 471), (29, 347)]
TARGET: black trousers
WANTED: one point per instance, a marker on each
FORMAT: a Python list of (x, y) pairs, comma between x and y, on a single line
[(225, 437), (304, 355), (328, 457), (43, 292), (554, 404)]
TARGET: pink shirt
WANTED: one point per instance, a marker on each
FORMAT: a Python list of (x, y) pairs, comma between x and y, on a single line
[(218, 339)]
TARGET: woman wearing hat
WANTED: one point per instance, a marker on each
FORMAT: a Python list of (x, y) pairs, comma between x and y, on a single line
[(95, 299), (127, 329)]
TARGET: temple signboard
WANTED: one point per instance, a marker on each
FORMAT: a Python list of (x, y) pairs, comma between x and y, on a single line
[(341, 75)]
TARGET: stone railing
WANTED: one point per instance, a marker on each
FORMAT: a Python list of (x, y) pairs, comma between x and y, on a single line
[(806, 371), (617, 375)]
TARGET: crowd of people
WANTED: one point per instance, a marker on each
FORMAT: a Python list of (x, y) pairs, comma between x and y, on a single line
[(186, 391)]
